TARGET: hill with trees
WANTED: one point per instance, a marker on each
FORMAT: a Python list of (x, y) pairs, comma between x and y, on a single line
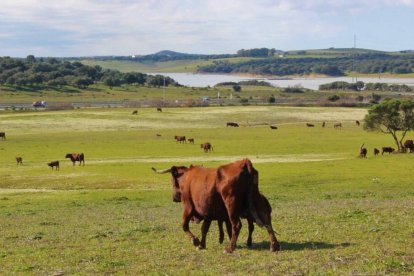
[(33, 71)]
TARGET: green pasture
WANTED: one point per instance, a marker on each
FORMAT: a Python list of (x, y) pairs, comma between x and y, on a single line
[(334, 213)]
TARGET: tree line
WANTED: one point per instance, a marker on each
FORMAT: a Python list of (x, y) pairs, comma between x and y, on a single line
[(360, 85), (32, 71), (335, 66)]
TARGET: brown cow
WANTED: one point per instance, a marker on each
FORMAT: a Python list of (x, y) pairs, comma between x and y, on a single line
[(273, 127), (76, 157), (135, 112), (180, 139), (19, 160), (191, 140), (323, 124), (338, 125), (357, 123), (310, 125), (54, 164), (409, 144), (376, 151), (362, 152), (231, 124), (225, 194), (387, 149), (206, 147), (159, 109), (3, 135)]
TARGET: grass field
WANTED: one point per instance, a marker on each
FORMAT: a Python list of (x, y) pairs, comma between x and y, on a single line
[(334, 212)]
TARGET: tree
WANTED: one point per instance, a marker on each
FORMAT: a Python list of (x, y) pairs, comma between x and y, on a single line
[(237, 88), (391, 117)]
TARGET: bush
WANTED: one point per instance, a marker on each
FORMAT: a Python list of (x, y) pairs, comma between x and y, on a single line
[(333, 98)]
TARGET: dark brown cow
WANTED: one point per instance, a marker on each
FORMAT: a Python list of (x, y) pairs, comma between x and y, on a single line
[(191, 140), (206, 147), (357, 123), (387, 149), (376, 151), (19, 160), (54, 164), (159, 109), (409, 144), (225, 194), (3, 135), (310, 125), (76, 157), (338, 125), (180, 139), (273, 127), (135, 112), (323, 124), (231, 124), (362, 152)]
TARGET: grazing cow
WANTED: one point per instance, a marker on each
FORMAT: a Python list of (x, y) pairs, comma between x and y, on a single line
[(387, 149), (362, 152), (376, 151), (54, 164), (231, 124), (135, 112), (19, 160), (323, 124), (3, 135), (357, 123), (206, 147), (158, 135), (310, 125), (224, 193), (191, 140), (273, 127), (180, 139), (76, 157), (409, 144), (159, 109), (338, 125)]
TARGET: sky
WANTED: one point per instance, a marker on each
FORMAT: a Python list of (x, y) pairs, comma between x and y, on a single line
[(68, 28)]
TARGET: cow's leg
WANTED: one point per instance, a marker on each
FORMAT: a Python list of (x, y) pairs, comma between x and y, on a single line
[(186, 227), (235, 223), (251, 229), (274, 244), (221, 232), (204, 230)]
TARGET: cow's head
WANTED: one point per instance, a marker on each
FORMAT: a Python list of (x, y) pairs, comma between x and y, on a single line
[(68, 155), (177, 176)]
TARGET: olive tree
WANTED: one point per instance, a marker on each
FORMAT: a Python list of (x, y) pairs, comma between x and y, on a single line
[(392, 117)]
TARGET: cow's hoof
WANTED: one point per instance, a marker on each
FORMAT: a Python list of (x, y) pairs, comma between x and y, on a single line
[(221, 240), (195, 241), (249, 244), (275, 247), (228, 250)]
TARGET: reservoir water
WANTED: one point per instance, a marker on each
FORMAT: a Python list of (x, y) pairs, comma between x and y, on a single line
[(203, 80)]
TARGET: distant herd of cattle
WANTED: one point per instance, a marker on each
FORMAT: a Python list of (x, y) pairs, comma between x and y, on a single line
[(408, 146), (74, 157)]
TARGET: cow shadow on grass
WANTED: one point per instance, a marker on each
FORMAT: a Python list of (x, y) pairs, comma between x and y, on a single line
[(298, 246)]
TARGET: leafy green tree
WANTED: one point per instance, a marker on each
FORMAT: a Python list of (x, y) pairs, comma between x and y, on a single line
[(392, 117), (237, 88)]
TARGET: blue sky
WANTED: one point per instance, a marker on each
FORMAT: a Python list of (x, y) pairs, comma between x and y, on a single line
[(125, 27)]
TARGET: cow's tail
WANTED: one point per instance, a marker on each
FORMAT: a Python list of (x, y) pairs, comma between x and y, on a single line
[(253, 191), (362, 145)]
